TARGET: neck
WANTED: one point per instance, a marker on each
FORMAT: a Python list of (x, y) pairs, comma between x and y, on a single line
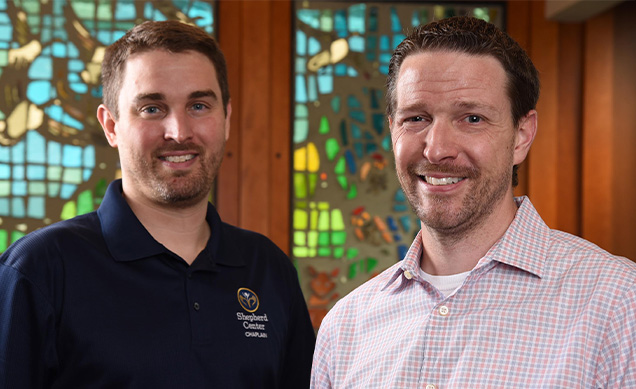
[(447, 254), (184, 231)]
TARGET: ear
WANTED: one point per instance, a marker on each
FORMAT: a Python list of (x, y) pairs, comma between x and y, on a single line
[(108, 123), (526, 132), (227, 120)]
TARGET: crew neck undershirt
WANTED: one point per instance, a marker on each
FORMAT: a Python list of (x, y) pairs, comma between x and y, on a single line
[(448, 285)]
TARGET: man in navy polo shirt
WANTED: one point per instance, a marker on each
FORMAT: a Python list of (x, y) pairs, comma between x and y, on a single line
[(153, 290)]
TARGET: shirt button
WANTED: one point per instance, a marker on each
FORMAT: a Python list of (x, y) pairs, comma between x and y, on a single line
[(408, 275), (431, 386), (196, 306), (443, 310)]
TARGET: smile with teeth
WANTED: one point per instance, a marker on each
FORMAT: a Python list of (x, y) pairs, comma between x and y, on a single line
[(442, 181), (178, 158)]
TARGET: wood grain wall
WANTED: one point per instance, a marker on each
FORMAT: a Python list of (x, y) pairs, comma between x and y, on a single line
[(581, 169)]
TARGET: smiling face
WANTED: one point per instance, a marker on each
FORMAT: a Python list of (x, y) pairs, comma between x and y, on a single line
[(454, 139), (171, 129)]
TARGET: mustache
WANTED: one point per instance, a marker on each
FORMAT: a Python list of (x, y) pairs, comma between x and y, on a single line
[(424, 168)]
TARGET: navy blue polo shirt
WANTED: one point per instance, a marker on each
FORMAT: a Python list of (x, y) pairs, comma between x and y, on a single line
[(96, 302)]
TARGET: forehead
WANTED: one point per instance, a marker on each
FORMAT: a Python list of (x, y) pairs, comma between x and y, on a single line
[(451, 75)]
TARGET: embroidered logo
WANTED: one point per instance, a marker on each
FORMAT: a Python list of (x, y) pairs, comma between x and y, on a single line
[(248, 299)]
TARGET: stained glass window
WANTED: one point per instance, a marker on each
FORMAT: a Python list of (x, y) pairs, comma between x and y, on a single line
[(351, 220), (55, 162)]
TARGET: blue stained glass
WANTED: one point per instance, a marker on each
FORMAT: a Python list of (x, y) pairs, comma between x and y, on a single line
[(75, 65), (396, 26), (340, 69), (399, 196), (89, 156), (351, 72), (54, 189), (17, 153), (17, 207), (357, 146), (405, 221), (399, 207), (80, 88), (124, 10), (311, 88), (314, 46), (72, 156), (357, 18), (301, 111), (372, 42), (301, 89), (343, 133), (54, 153), (37, 188), (301, 130), (301, 65), (371, 148), (311, 17), (378, 122), (19, 188), (384, 69), (59, 49), (325, 80), (36, 207), (6, 31), (373, 19), (74, 77), (351, 162), (358, 116), (5, 171), (353, 102), (356, 43), (397, 39), (106, 36), (355, 131), (415, 20), (301, 43), (385, 43), (390, 221), (39, 92), (5, 154), (67, 191), (202, 12), (86, 174), (41, 68), (385, 58), (36, 146), (4, 18), (402, 250), (56, 113), (335, 104), (36, 172), (4, 207), (386, 143), (340, 23)]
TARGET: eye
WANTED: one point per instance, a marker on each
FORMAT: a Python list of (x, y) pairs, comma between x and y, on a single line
[(198, 106), (414, 119), (474, 119), (150, 110)]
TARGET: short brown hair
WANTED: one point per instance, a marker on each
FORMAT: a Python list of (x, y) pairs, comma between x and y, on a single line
[(472, 36), (172, 36)]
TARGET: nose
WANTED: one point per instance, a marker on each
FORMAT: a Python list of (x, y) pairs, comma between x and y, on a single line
[(178, 127), (440, 142)]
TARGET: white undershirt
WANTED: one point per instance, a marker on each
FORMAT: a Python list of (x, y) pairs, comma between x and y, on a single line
[(445, 284)]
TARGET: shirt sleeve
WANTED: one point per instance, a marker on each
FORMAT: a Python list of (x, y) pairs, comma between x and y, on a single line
[(617, 360), (300, 344), (320, 369), (28, 358)]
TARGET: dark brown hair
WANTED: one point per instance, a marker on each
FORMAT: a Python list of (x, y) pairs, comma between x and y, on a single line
[(172, 36), (472, 36)]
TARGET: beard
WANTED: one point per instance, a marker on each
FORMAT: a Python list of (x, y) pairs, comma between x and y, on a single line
[(449, 216), (179, 189)]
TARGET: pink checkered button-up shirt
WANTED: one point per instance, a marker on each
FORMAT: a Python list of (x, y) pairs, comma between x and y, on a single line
[(542, 309)]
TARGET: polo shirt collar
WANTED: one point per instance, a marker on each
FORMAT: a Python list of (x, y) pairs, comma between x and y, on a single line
[(128, 240), (524, 245)]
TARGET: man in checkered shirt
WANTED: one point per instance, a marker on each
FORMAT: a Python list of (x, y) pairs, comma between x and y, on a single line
[(487, 295)]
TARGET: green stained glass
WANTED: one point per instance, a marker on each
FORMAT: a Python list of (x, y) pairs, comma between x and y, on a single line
[(323, 221), (300, 185), (324, 126), (54, 189), (332, 147), (5, 188), (312, 238), (313, 221), (301, 130), (72, 176), (372, 263), (342, 180), (300, 219), (324, 252), (300, 252), (100, 191), (313, 179), (323, 238), (326, 20), (341, 166), (338, 238), (300, 238), (301, 204), (354, 269), (337, 221), (335, 104), (85, 202), (323, 205), (4, 240), (353, 192), (352, 252), (311, 252), (15, 235), (54, 173), (338, 252), (69, 210), (103, 12), (37, 188)]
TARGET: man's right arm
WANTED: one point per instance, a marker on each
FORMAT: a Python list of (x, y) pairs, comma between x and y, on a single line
[(28, 355)]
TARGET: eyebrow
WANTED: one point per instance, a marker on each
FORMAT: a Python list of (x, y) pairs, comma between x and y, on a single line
[(160, 96)]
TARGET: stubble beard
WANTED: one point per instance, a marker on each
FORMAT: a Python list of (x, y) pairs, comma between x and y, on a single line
[(439, 214)]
